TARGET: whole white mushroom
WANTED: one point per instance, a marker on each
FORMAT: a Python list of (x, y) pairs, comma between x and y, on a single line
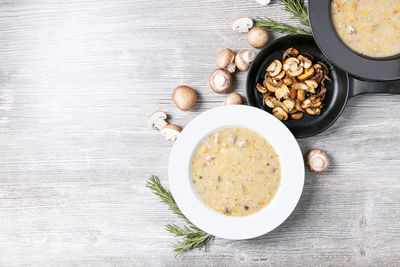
[(225, 60), (220, 81), (233, 99), (243, 58), (184, 97)]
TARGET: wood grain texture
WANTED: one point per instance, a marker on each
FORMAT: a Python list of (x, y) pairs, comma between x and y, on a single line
[(77, 81)]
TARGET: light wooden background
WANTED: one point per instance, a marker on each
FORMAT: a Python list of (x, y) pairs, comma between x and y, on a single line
[(77, 81)]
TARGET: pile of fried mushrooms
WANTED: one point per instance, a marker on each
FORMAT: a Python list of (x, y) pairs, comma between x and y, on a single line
[(294, 86)]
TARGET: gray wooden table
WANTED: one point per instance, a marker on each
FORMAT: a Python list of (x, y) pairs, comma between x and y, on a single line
[(77, 81)]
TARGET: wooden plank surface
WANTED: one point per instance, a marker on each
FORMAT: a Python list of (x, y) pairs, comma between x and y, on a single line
[(77, 81)]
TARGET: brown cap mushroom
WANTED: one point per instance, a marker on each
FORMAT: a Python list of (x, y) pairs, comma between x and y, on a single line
[(170, 132), (184, 97), (156, 120), (233, 99), (242, 25), (317, 160), (225, 60), (243, 58), (258, 37), (220, 81)]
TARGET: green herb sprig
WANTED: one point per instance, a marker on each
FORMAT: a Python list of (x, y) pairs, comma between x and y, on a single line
[(192, 236), (273, 25), (298, 9)]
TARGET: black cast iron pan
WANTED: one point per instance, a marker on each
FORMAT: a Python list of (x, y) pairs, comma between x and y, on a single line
[(339, 90), (368, 68)]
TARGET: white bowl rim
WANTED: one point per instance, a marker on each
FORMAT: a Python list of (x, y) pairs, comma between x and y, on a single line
[(211, 221)]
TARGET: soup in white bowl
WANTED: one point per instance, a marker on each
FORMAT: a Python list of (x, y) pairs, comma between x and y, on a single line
[(207, 218), (236, 171)]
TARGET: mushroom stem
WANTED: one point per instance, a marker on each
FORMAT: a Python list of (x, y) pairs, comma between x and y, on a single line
[(317, 160), (171, 132), (157, 120)]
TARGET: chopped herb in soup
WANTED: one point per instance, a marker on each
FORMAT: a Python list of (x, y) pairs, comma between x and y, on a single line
[(369, 27), (235, 171)]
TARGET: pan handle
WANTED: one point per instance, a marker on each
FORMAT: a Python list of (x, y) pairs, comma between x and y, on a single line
[(357, 86)]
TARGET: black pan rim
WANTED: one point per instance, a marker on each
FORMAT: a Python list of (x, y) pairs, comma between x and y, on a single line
[(253, 69), (380, 69)]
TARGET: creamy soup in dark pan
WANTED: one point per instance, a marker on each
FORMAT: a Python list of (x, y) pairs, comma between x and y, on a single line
[(369, 27)]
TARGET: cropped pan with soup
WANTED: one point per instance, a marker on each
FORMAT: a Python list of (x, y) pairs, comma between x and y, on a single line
[(235, 171), (369, 27)]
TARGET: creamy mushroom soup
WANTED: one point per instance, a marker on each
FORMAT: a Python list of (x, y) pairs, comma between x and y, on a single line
[(369, 27), (235, 171)]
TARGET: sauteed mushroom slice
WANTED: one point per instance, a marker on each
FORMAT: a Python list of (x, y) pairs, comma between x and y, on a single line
[(307, 74), (288, 81), (271, 84), (298, 106), (268, 100), (301, 95), (300, 86), (305, 62), (292, 67), (306, 103), (290, 52), (279, 113), (313, 111), (294, 110), (271, 88), (312, 85), (280, 75), (297, 116), (315, 102), (261, 89), (272, 102), (311, 103), (274, 68), (293, 93), (282, 92), (289, 103)]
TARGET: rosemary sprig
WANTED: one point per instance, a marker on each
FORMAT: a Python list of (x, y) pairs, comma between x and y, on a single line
[(298, 9), (192, 236), (273, 25)]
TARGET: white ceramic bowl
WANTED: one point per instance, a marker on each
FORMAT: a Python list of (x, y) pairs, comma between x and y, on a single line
[(292, 172)]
